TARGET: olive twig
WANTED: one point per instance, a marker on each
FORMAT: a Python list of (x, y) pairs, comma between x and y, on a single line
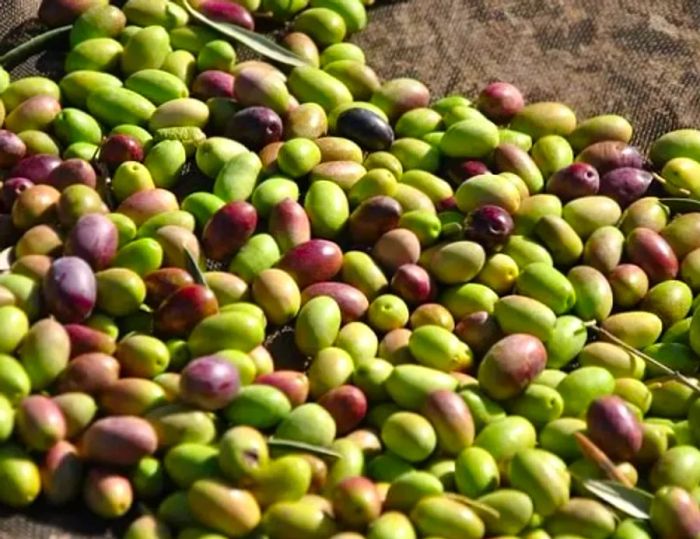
[(596, 455), (647, 358), (663, 181), (21, 52), (252, 40)]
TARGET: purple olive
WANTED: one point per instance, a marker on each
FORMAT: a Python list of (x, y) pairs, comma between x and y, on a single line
[(500, 101), (353, 303), (161, 283), (209, 382), (575, 181), (488, 225), (625, 185), (366, 128), (294, 384), (230, 12), (458, 170), (479, 330), (289, 224), (40, 423), (255, 127), (312, 262), (511, 364), (651, 252), (12, 149), (11, 190), (614, 428), (180, 312), (89, 373), (372, 218), (94, 238), (117, 149), (347, 405), (86, 340), (610, 154), (70, 289), (228, 229), (413, 284), (119, 440), (35, 167), (213, 83), (72, 171), (395, 248), (61, 12), (61, 473)]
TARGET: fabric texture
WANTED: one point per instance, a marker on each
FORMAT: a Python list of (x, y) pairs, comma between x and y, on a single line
[(638, 58)]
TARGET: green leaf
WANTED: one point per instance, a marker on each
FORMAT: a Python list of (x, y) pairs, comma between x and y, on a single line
[(634, 502), (21, 52), (301, 446), (252, 40), (681, 205), (193, 268)]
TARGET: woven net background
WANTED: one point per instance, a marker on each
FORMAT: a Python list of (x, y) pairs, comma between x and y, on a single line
[(639, 58)]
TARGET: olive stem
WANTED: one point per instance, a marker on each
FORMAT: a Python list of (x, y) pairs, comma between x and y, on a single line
[(663, 181), (596, 455), (21, 52), (647, 358)]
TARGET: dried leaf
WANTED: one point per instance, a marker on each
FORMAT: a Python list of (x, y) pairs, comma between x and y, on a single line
[(596, 455)]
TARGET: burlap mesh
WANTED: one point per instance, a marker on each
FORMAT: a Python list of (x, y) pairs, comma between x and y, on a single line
[(639, 58)]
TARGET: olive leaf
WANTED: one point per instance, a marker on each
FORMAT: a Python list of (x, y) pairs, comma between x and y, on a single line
[(681, 205), (473, 504), (193, 268), (36, 44), (252, 40), (632, 501), (301, 446)]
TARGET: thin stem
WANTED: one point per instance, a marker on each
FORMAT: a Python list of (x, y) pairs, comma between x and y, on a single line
[(663, 181), (596, 455), (21, 52), (647, 358)]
